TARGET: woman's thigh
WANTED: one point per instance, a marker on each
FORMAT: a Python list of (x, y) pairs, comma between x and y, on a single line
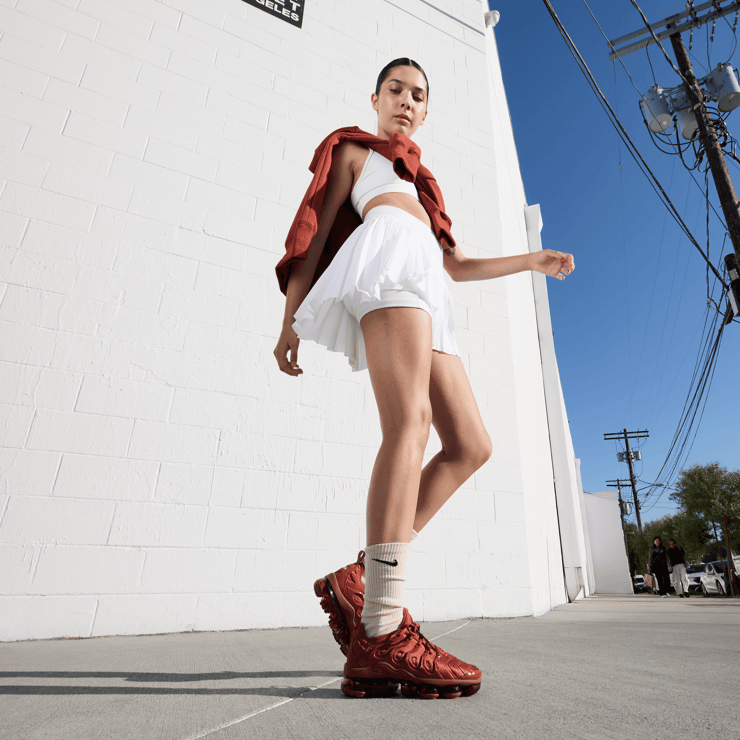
[(455, 413), (398, 345)]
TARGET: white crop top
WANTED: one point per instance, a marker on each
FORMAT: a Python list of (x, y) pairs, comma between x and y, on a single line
[(377, 177)]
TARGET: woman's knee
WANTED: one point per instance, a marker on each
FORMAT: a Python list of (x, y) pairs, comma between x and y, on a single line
[(474, 451), (409, 420), (480, 451)]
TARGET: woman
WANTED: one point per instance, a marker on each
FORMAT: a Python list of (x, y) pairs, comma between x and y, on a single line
[(658, 566), (382, 300)]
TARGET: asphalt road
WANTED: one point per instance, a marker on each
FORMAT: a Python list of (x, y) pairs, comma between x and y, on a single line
[(605, 667)]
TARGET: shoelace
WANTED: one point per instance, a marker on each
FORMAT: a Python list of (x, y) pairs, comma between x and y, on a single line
[(413, 631)]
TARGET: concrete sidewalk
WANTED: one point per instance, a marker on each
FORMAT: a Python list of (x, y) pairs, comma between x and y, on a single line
[(606, 667)]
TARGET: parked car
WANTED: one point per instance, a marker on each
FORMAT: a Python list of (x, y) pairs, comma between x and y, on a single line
[(693, 573), (639, 585), (713, 579)]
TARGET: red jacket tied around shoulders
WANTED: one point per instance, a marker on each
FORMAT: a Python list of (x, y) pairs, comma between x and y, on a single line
[(406, 158)]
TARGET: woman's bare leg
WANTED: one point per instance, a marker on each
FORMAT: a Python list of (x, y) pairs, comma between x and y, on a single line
[(465, 443), (398, 344), (410, 382)]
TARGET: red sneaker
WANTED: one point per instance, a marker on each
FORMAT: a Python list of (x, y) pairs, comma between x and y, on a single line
[(342, 595), (376, 665)]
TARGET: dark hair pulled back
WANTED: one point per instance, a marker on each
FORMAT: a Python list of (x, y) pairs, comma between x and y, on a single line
[(400, 62)]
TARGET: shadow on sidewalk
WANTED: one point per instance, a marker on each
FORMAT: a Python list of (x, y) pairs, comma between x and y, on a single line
[(278, 691)]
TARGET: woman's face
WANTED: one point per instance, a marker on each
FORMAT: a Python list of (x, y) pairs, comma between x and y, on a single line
[(402, 102), (657, 542)]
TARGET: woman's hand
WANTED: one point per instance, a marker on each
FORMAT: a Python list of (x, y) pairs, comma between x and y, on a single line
[(286, 351), (461, 268), (552, 263)]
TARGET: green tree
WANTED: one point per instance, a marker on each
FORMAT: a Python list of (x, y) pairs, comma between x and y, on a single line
[(692, 533), (711, 492), (637, 548), (689, 531)]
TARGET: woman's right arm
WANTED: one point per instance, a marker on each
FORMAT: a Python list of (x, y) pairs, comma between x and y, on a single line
[(341, 176), (655, 559)]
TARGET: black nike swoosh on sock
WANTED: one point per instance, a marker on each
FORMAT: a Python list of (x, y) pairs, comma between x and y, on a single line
[(385, 562)]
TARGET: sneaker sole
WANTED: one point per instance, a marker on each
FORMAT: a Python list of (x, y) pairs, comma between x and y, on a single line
[(382, 688), (329, 603)]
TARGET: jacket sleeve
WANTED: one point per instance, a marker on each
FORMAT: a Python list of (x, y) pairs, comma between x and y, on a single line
[(306, 221)]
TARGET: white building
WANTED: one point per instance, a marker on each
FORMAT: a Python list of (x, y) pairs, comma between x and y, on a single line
[(608, 567), (158, 473)]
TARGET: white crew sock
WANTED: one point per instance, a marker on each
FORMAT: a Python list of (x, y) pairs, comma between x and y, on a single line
[(385, 574)]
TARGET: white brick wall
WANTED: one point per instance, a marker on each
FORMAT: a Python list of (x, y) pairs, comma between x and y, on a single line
[(157, 473)]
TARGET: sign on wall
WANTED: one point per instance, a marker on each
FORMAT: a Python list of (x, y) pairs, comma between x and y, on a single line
[(288, 10)]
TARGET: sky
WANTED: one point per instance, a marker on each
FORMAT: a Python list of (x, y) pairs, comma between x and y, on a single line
[(628, 321)]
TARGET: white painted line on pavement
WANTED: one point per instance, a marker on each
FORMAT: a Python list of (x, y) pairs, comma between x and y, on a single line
[(287, 701), (451, 631), (266, 709)]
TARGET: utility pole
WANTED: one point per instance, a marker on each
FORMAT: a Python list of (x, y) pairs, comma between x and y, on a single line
[(632, 479), (730, 563), (624, 434), (672, 27), (710, 142), (618, 485)]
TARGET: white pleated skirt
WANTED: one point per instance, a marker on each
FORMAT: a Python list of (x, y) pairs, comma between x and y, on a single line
[(392, 259)]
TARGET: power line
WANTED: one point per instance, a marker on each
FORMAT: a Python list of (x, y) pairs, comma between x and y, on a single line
[(657, 41), (654, 182), (652, 419), (652, 293), (695, 402), (706, 361), (733, 28), (688, 102), (610, 44), (647, 53), (629, 458)]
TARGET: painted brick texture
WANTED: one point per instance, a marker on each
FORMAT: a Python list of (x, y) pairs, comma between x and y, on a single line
[(157, 472)]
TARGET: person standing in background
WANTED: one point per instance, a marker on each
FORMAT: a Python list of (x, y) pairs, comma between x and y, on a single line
[(677, 567), (658, 566)]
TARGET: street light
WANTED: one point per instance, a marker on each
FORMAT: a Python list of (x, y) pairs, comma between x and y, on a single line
[(652, 485)]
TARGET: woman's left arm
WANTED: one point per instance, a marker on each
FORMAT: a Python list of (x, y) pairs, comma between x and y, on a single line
[(549, 262)]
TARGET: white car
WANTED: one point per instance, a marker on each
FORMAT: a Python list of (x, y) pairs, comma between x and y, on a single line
[(713, 579), (694, 573)]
